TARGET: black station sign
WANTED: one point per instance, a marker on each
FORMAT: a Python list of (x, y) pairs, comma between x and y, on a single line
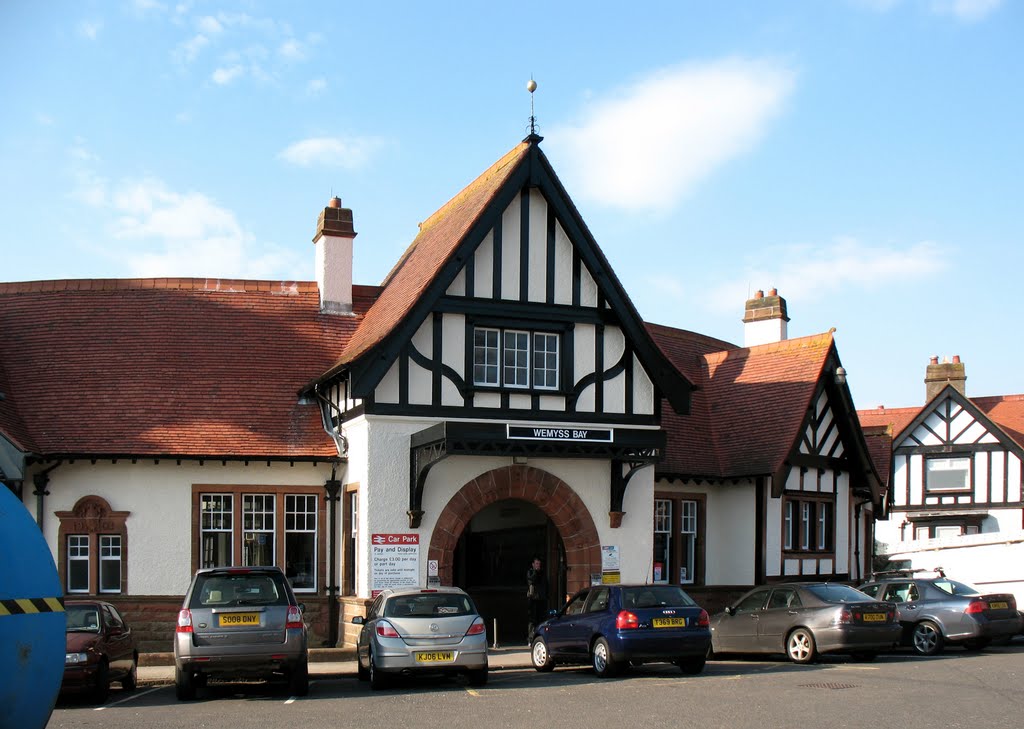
[(566, 434)]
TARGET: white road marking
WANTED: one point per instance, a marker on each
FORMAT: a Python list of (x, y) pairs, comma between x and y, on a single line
[(127, 699)]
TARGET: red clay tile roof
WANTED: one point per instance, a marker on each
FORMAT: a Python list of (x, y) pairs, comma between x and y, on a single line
[(438, 237), (750, 405), (1006, 411), (11, 426), (879, 442), (896, 419), (168, 366)]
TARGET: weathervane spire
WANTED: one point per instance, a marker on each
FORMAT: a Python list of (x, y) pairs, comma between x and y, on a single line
[(531, 86)]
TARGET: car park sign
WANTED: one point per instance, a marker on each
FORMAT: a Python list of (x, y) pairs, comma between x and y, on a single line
[(394, 561)]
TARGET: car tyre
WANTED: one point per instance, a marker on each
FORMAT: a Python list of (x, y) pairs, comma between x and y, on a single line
[(298, 679), (101, 688), (601, 659), (540, 656), (362, 673), (800, 646), (927, 639), (692, 665), (477, 677), (131, 679), (184, 684), (378, 680)]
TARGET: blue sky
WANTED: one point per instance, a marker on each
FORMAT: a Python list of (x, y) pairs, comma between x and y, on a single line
[(865, 157)]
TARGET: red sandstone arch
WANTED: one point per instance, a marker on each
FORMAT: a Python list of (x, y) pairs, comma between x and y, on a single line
[(549, 493)]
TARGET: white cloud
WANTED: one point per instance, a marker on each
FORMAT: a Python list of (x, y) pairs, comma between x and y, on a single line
[(332, 152), (90, 28), (146, 6), (188, 51), (292, 50), (316, 86), (45, 119), (648, 145), (224, 76), (209, 25), (966, 10), (810, 273)]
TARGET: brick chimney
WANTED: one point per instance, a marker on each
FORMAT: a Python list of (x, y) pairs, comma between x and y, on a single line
[(940, 374), (765, 320), (333, 240)]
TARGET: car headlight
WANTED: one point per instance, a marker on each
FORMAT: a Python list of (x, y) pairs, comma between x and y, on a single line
[(73, 659)]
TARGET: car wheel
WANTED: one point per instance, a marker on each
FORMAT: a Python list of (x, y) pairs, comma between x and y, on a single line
[(692, 665), (478, 677), (800, 646), (601, 659), (540, 657), (378, 680), (131, 679), (362, 673), (298, 679), (927, 638), (184, 684), (101, 689)]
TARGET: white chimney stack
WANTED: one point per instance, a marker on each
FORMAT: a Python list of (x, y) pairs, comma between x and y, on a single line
[(765, 320), (333, 239)]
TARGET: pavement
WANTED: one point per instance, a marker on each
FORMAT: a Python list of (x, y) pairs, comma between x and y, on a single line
[(158, 668)]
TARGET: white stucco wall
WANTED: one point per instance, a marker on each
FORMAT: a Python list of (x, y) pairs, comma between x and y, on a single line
[(159, 497)]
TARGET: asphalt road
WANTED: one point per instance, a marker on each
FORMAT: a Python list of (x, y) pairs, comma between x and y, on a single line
[(956, 689)]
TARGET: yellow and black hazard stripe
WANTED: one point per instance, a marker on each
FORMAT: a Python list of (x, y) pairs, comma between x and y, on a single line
[(28, 605)]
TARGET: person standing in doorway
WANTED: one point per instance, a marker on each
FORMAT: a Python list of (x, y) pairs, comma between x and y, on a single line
[(536, 596)]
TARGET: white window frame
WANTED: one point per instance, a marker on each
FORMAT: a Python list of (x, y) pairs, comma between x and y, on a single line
[(515, 358), (805, 524), (787, 525), (545, 372), (259, 516), (490, 353), (110, 550), (946, 466), (663, 525), (75, 544), (226, 514), (309, 520)]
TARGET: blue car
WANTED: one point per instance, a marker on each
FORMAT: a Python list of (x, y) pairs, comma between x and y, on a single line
[(613, 626)]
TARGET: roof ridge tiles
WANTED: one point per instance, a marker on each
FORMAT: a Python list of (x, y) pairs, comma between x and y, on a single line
[(222, 285), (811, 340)]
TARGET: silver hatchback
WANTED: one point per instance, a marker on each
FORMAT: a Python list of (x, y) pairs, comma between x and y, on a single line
[(411, 631), (239, 622)]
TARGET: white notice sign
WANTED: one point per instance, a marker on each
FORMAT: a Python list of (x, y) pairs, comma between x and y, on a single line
[(394, 561)]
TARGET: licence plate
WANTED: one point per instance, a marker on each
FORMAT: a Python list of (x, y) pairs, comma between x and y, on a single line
[(435, 657), (874, 617), (997, 606), (228, 620), (669, 622)]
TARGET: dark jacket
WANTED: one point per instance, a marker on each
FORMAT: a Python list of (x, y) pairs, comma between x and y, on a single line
[(536, 584)]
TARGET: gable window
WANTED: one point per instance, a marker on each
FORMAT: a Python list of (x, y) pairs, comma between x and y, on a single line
[(515, 358), (808, 523), (947, 474)]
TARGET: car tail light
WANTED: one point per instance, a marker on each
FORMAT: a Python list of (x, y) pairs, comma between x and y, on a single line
[(294, 619), (386, 630), (184, 621), (477, 627), (626, 620), (976, 606), (703, 620), (845, 617)]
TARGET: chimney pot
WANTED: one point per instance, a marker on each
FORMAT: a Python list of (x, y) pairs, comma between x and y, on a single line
[(956, 359), (934, 360), (759, 294), (774, 292), (335, 202)]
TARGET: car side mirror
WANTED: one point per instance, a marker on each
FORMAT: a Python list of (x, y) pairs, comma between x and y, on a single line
[(358, 620), (730, 610)]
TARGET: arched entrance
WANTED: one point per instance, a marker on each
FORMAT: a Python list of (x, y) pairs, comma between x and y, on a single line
[(553, 519)]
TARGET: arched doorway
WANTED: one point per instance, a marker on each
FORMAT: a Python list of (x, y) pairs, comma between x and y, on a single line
[(491, 559), (563, 516)]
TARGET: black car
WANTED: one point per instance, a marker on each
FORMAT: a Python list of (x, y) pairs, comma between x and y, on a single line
[(613, 626)]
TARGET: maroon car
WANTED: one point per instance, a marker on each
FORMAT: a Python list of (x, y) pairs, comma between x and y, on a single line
[(100, 649)]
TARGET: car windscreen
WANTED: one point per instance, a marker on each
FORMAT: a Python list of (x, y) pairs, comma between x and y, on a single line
[(235, 590), (649, 596), (82, 618), (428, 605), (952, 587), (837, 593)]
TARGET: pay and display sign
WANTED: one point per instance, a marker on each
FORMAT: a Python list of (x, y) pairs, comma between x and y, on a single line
[(394, 561)]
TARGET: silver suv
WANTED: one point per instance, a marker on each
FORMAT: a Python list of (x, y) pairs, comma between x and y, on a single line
[(240, 622)]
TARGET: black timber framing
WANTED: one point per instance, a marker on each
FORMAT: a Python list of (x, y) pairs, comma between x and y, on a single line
[(428, 447)]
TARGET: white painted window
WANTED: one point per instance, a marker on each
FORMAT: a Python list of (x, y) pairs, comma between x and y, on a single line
[(485, 357), (258, 530), (824, 526), (947, 474), (545, 361), (688, 541), (805, 525), (78, 563), (110, 563), (947, 530), (788, 526), (300, 520), (516, 359), (922, 532), (662, 539), (216, 513)]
